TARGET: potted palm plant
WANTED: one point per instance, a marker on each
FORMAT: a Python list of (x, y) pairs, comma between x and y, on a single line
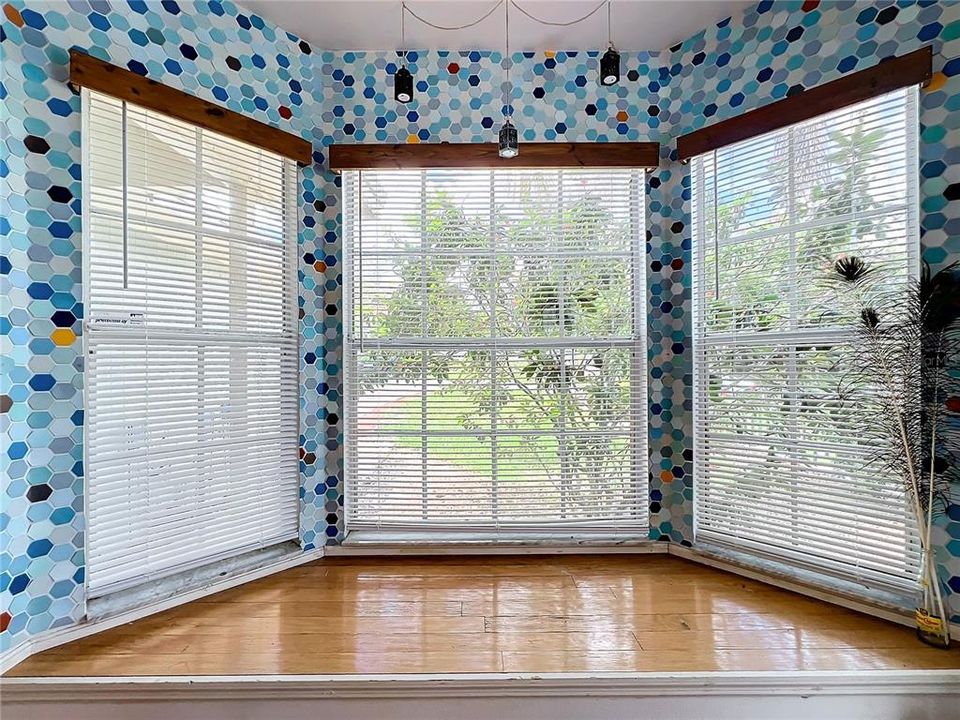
[(906, 344)]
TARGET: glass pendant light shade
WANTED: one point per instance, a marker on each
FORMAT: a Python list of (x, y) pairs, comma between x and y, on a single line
[(610, 67), (403, 85), (509, 146)]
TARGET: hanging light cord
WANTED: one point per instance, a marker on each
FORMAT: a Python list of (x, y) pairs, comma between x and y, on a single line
[(508, 105), (404, 9), (454, 27), (569, 22), (609, 25), (490, 12)]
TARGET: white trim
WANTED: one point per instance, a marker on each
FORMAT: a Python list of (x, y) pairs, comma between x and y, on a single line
[(245, 688), (54, 638), (16, 655), (852, 695), (26, 646)]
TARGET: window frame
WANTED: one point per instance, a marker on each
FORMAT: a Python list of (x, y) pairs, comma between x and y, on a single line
[(637, 345), (790, 339), (291, 344)]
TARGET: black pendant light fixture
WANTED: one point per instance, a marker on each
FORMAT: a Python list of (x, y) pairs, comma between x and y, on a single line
[(610, 62), (508, 145), (403, 85), (402, 79)]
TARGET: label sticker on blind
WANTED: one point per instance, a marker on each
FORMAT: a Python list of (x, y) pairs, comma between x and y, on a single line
[(130, 319)]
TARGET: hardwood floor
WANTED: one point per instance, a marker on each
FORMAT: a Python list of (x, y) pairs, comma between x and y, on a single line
[(566, 613)]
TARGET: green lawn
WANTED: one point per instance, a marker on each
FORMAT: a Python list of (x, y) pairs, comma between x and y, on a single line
[(520, 457)]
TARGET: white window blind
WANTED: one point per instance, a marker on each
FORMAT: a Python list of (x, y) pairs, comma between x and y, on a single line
[(782, 465), (191, 337), (495, 349)]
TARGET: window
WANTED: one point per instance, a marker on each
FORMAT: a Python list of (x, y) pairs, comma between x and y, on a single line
[(495, 356), (192, 392), (781, 464)]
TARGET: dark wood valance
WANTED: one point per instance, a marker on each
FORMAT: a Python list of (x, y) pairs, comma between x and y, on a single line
[(915, 68), (484, 155), (90, 72)]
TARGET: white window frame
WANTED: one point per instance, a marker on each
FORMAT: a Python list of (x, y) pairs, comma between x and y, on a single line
[(829, 335), (291, 345), (561, 534)]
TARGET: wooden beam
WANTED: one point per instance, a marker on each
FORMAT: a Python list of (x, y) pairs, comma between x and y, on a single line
[(915, 68), (484, 155), (87, 71)]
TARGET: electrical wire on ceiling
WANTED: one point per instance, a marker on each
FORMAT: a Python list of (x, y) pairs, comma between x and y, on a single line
[(552, 23), (568, 23), (508, 139), (405, 7)]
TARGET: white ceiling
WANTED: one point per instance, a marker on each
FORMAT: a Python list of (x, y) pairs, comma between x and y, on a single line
[(375, 24)]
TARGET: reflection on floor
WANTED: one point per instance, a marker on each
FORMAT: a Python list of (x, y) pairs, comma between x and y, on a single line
[(567, 613)]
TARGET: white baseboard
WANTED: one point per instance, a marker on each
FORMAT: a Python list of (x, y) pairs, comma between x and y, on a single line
[(57, 637), (573, 684), (873, 695), (16, 655)]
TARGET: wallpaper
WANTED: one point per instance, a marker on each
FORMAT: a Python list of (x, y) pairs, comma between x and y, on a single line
[(220, 52)]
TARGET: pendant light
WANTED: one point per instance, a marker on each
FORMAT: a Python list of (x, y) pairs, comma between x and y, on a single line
[(508, 145), (610, 62), (402, 79)]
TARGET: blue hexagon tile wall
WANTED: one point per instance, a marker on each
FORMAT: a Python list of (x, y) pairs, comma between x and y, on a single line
[(222, 53)]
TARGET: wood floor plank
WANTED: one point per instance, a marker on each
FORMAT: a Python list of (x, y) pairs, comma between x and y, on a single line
[(109, 643), (452, 593), (721, 601), (490, 614), (267, 664), (780, 638), (298, 625), (680, 622), (466, 583), (320, 644), (257, 606)]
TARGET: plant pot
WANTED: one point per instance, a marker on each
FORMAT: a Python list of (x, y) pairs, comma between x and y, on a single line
[(931, 629)]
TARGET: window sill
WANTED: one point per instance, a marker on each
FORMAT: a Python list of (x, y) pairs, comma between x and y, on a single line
[(897, 606), (171, 586), (412, 540)]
